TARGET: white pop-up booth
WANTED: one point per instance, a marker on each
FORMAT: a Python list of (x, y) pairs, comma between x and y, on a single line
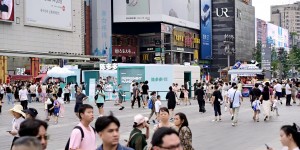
[(160, 77)]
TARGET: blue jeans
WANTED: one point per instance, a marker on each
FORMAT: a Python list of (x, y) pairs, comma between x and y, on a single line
[(10, 98)]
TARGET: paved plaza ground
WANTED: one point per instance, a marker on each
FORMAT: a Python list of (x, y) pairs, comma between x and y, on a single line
[(207, 135)]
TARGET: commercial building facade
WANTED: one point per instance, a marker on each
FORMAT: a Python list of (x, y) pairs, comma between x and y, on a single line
[(166, 31), (50, 30), (235, 18)]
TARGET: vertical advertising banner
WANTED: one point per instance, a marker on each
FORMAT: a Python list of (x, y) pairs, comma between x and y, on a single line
[(102, 30), (7, 10), (206, 29)]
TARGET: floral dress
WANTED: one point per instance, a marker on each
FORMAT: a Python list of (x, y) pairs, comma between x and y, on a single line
[(185, 136)]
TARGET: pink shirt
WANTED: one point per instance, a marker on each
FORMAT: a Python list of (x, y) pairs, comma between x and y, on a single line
[(87, 143), (186, 94)]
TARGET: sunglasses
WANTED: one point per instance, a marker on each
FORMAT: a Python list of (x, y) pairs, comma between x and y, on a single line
[(45, 137)]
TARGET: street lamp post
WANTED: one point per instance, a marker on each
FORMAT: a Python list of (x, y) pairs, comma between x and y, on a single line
[(229, 47)]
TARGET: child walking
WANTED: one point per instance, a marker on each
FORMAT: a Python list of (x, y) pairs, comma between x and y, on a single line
[(275, 106), (55, 108), (256, 108), (186, 97), (157, 107)]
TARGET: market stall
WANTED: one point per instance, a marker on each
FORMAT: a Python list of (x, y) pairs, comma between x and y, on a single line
[(247, 74)]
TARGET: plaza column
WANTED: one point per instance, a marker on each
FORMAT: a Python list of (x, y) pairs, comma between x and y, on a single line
[(3, 69), (34, 66)]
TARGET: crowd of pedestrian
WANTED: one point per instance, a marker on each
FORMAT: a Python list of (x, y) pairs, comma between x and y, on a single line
[(171, 130)]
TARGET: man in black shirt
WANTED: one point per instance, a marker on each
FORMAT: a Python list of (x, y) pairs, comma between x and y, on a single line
[(145, 90), (255, 93), (200, 97), (195, 88)]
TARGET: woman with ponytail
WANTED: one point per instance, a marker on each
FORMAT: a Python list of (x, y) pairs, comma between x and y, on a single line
[(137, 140), (290, 137)]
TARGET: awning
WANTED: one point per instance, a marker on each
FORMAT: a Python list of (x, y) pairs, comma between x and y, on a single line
[(40, 76), (21, 78), (244, 72)]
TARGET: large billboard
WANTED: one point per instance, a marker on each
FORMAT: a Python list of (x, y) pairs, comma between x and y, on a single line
[(206, 29), (277, 36), (178, 12), (102, 29), (53, 14), (7, 10)]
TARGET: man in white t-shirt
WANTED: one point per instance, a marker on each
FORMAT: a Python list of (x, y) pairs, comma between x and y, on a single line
[(288, 91), (278, 90), (23, 97), (86, 116), (228, 101), (235, 98)]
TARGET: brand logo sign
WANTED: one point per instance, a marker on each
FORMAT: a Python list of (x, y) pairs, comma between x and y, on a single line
[(220, 12), (124, 51)]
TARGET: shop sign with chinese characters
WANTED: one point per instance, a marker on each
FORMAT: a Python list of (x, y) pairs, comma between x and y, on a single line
[(159, 79), (109, 66)]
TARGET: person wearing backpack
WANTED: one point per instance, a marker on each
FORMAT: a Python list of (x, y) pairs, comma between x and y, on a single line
[(107, 128), (137, 140), (83, 136), (151, 103)]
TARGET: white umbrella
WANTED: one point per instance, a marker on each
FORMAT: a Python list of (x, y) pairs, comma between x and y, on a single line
[(57, 72)]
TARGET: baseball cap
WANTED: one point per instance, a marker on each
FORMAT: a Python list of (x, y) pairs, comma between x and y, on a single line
[(31, 111), (139, 119)]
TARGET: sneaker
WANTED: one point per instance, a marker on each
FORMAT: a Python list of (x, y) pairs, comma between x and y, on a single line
[(233, 124), (220, 120), (266, 118), (215, 120), (122, 108)]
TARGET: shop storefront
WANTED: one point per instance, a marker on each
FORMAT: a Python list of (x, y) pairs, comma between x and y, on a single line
[(185, 44), (124, 54), (124, 49)]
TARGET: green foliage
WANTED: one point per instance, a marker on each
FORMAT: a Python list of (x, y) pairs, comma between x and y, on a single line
[(257, 52)]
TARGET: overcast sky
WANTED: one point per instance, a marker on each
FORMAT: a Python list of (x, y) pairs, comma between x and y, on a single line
[(262, 7)]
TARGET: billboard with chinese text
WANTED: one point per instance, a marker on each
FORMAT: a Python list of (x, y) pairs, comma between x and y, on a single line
[(206, 30), (53, 14), (277, 36), (102, 29)]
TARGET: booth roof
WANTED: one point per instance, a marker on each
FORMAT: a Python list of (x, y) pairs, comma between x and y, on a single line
[(250, 72)]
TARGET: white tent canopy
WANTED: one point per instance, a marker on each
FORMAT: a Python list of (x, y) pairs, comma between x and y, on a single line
[(57, 72), (244, 72)]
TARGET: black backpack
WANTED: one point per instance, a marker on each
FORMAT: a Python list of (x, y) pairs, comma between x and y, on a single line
[(82, 136)]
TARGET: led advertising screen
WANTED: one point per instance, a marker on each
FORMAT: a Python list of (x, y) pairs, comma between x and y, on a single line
[(7, 10), (206, 29), (178, 12), (277, 36)]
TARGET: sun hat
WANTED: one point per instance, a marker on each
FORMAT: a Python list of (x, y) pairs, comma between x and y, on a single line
[(18, 109), (139, 119)]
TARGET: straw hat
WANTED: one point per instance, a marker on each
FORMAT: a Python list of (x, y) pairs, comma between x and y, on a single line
[(18, 109)]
